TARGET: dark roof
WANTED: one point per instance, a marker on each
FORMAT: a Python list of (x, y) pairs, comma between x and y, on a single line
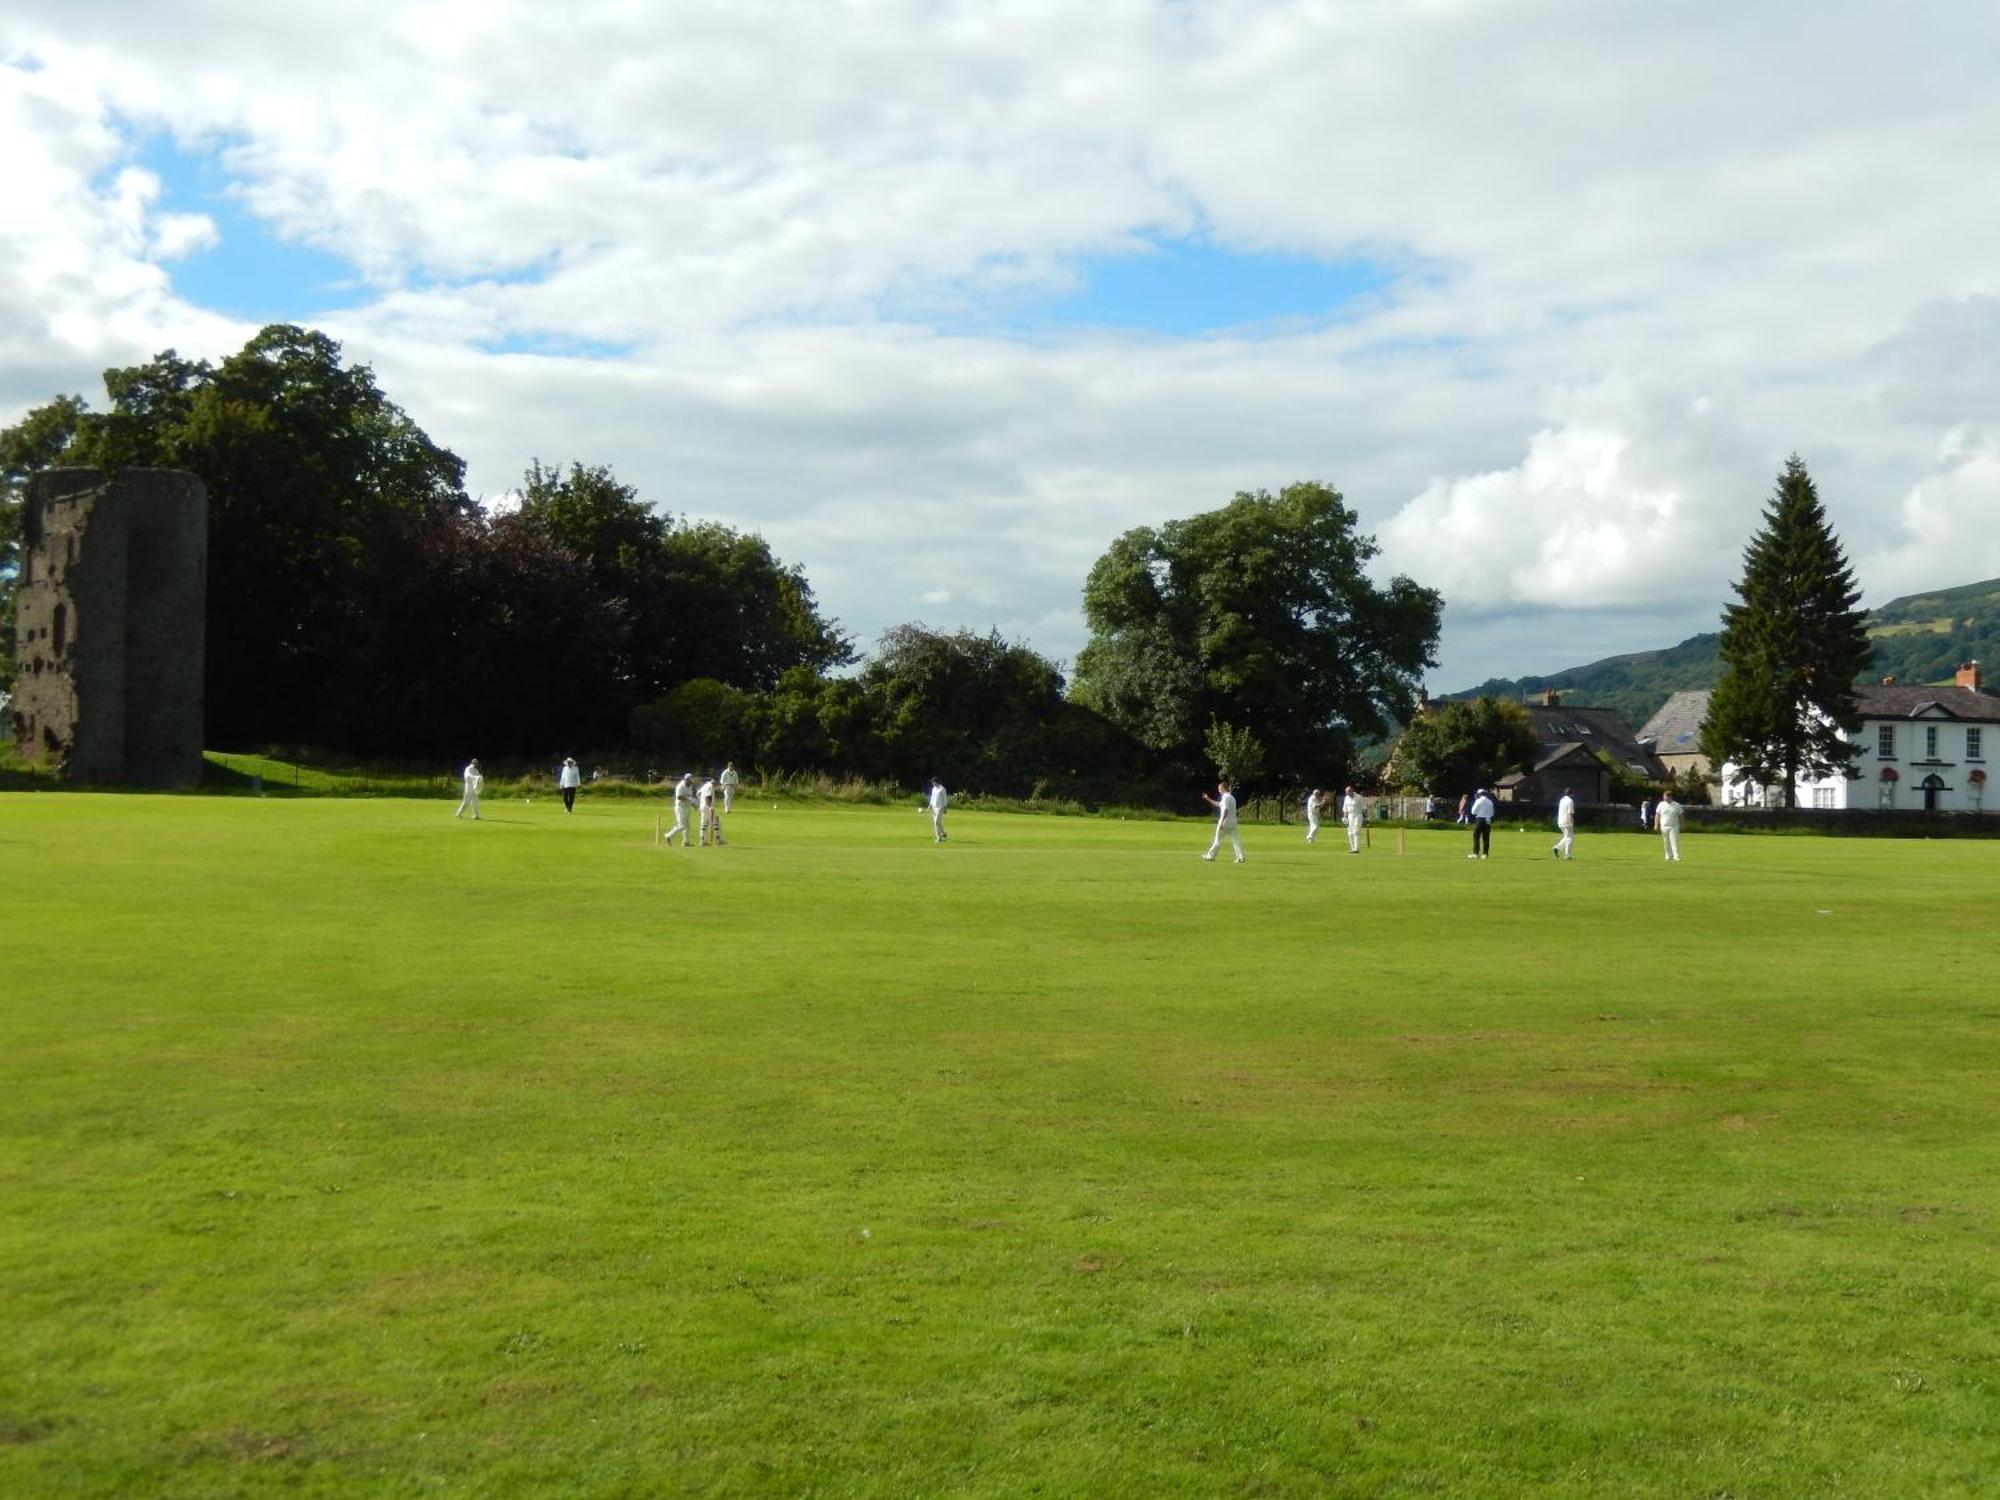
[(1675, 729), (1598, 729), (1900, 702), (1570, 754)]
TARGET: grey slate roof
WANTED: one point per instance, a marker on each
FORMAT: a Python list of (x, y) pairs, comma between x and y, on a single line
[(1552, 757), (1675, 728), (1597, 728), (1909, 702)]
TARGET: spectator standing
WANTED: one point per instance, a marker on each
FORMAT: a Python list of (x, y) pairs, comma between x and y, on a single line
[(569, 779)]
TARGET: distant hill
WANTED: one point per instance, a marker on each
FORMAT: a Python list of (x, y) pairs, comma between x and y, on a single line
[(1918, 638)]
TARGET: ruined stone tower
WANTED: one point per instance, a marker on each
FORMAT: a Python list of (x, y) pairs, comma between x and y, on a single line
[(109, 623)]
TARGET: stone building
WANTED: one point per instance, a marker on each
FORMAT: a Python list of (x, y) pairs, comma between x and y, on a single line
[(109, 625), (1674, 732), (1575, 749)]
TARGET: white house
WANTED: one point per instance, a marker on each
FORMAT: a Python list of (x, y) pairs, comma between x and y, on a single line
[(1924, 748)]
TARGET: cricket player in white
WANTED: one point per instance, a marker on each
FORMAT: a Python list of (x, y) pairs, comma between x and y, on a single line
[(1355, 817), (940, 799), (1481, 813), (1565, 847), (1312, 816), (570, 779), (469, 800), (683, 795), (1224, 803), (710, 822), (730, 781), (1667, 818)]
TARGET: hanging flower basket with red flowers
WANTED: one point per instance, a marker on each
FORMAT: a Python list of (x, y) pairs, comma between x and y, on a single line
[(1889, 773)]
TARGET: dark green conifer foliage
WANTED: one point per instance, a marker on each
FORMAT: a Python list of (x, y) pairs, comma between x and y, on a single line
[(1791, 648)]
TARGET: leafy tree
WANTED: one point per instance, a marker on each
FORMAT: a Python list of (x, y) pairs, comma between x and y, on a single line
[(1236, 754), (1690, 786), (1261, 614), (703, 722), (814, 723), (705, 601), (741, 616), (1454, 747), (968, 707), (311, 472), (483, 635), (1791, 648), (35, 442)]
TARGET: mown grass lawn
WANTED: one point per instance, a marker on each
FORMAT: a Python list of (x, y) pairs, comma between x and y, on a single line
[(348, 1149)]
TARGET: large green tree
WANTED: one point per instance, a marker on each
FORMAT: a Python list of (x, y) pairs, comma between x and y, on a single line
[(312, 474), (478, 635), (1450, 748), (704, 600), (1792, 646), (1260, 614)]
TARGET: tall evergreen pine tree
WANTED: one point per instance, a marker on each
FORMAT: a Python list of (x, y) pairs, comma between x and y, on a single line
[(1791, 649)]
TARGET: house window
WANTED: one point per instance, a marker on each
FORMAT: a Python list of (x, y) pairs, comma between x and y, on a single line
[(1888, 794), (1930, 742), (1972, 743), (1885, 741), (1822, 796)]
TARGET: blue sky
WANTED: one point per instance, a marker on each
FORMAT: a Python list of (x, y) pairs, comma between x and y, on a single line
[(251, 273), (1190, 286), (1177, 287)]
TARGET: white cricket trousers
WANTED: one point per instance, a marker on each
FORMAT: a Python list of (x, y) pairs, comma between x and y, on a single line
[(1671, 837), (1353, 835), (711, 824), (469, 803), (937, 825), (728, 798), (1566, 843), (680, 824), (1312, 824), (1235, 841)]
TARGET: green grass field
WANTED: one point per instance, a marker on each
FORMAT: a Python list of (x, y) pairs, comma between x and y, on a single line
[(348, 1149)]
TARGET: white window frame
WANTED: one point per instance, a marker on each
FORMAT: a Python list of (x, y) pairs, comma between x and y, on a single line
[(1885, 741), (1975, 743), (1930, 742), (1822, 796)]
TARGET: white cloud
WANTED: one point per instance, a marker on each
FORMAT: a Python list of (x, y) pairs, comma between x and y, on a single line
[(1643, 261), (1946, 531), (1630, 500)]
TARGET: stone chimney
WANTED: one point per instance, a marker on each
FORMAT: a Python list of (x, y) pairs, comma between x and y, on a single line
[(1551, 698), (1968, 676)]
